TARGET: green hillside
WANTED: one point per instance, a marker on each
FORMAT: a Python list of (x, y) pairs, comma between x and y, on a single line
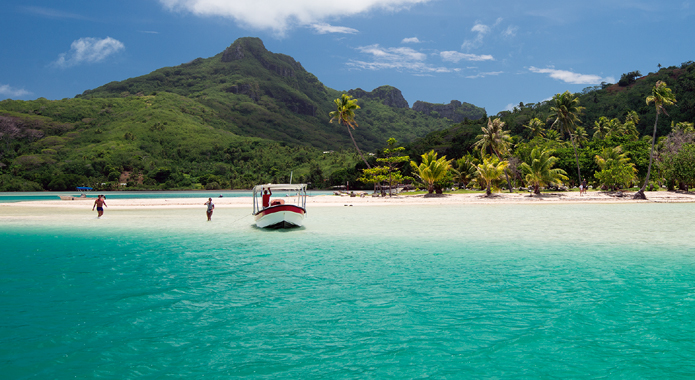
[(155, 142), (610, 101), (254, 92), (239, 118)]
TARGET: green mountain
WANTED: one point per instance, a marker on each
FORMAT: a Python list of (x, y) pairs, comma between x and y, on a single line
[(239, 118), (258, 93)]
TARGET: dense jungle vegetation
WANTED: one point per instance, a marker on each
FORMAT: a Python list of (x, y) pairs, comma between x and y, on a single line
[(614, 116)]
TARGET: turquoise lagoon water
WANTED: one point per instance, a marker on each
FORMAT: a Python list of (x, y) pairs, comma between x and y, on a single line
[(477, 291), (9, 197)]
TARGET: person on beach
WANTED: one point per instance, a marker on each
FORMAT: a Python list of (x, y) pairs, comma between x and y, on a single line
[(584, 185), (210, 208), (266, 197), (100, 203)]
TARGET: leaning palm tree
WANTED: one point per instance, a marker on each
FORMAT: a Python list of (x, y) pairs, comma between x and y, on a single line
[(567, 110), (662, 97), (497, 139), (490, 170), (540, 172), (431, 170), (345, 114)]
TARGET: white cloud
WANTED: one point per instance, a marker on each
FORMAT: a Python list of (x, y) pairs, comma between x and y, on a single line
[(401, 58), (89, 50), (570, 77), (281, 15), (323, 28), (53, 13), (481, 31), (510, 31), (411, 40), (7, 90), (454, 56), (486, 74)]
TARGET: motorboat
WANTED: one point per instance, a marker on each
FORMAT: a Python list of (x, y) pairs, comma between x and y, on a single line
[(285, 211)]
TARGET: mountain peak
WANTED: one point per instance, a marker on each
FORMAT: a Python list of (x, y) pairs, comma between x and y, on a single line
[(242, 47), (389, 95)]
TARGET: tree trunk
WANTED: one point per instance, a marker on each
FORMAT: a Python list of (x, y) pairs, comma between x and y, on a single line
[(488, 191), (536, 189), (640, 193), (505, 172), (356, 147), (576, 157)]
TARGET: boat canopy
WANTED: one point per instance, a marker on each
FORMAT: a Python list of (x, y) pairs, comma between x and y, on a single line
[(280, 186), (294, 193), (83, 188)]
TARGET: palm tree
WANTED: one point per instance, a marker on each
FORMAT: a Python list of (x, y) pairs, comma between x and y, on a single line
[(497, 139), (490, 170), (580, 136), (345, 114), (465, 170), (540, 172), (662, 97), (535, 127), (601, 128), (611, 154), (630, 125), (567, 110), (431, 170), (615, 128), (616, 168)]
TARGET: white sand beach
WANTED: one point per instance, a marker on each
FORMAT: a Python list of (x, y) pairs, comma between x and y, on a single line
[(401, 200)]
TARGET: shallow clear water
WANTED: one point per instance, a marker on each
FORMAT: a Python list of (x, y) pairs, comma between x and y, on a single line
[(476, 291)]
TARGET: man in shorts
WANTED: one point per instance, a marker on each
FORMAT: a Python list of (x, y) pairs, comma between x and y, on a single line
[(100, 203)]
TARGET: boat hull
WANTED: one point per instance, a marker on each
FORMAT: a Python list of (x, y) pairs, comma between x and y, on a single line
[(281, 216)]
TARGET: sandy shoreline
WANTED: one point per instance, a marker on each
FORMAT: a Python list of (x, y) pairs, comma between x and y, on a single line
[(336, 201)]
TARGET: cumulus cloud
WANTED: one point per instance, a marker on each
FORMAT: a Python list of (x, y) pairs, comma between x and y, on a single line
[(454, 56), (323, 28), (401, 58), (570, 77), (411, 40), (281, 15), (89, 50), (7, 90)]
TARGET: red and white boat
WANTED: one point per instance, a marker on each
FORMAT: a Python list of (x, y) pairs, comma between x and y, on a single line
[(286, 208)]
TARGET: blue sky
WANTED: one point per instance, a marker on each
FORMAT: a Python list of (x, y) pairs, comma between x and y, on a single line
[(490, 53)]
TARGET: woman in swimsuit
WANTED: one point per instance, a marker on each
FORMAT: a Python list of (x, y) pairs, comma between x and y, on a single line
[(210, 208)]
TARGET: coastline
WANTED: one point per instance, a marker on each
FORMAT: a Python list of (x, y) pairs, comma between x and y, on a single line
[(401, 200)]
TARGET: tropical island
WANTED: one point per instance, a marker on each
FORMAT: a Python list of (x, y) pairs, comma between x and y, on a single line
[(249, 116)]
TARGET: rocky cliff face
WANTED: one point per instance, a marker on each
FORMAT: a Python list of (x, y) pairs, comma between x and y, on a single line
[(389, 96), (454, 111)]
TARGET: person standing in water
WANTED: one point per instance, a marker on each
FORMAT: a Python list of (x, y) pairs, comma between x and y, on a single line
[(210, 208), (100, 203)]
